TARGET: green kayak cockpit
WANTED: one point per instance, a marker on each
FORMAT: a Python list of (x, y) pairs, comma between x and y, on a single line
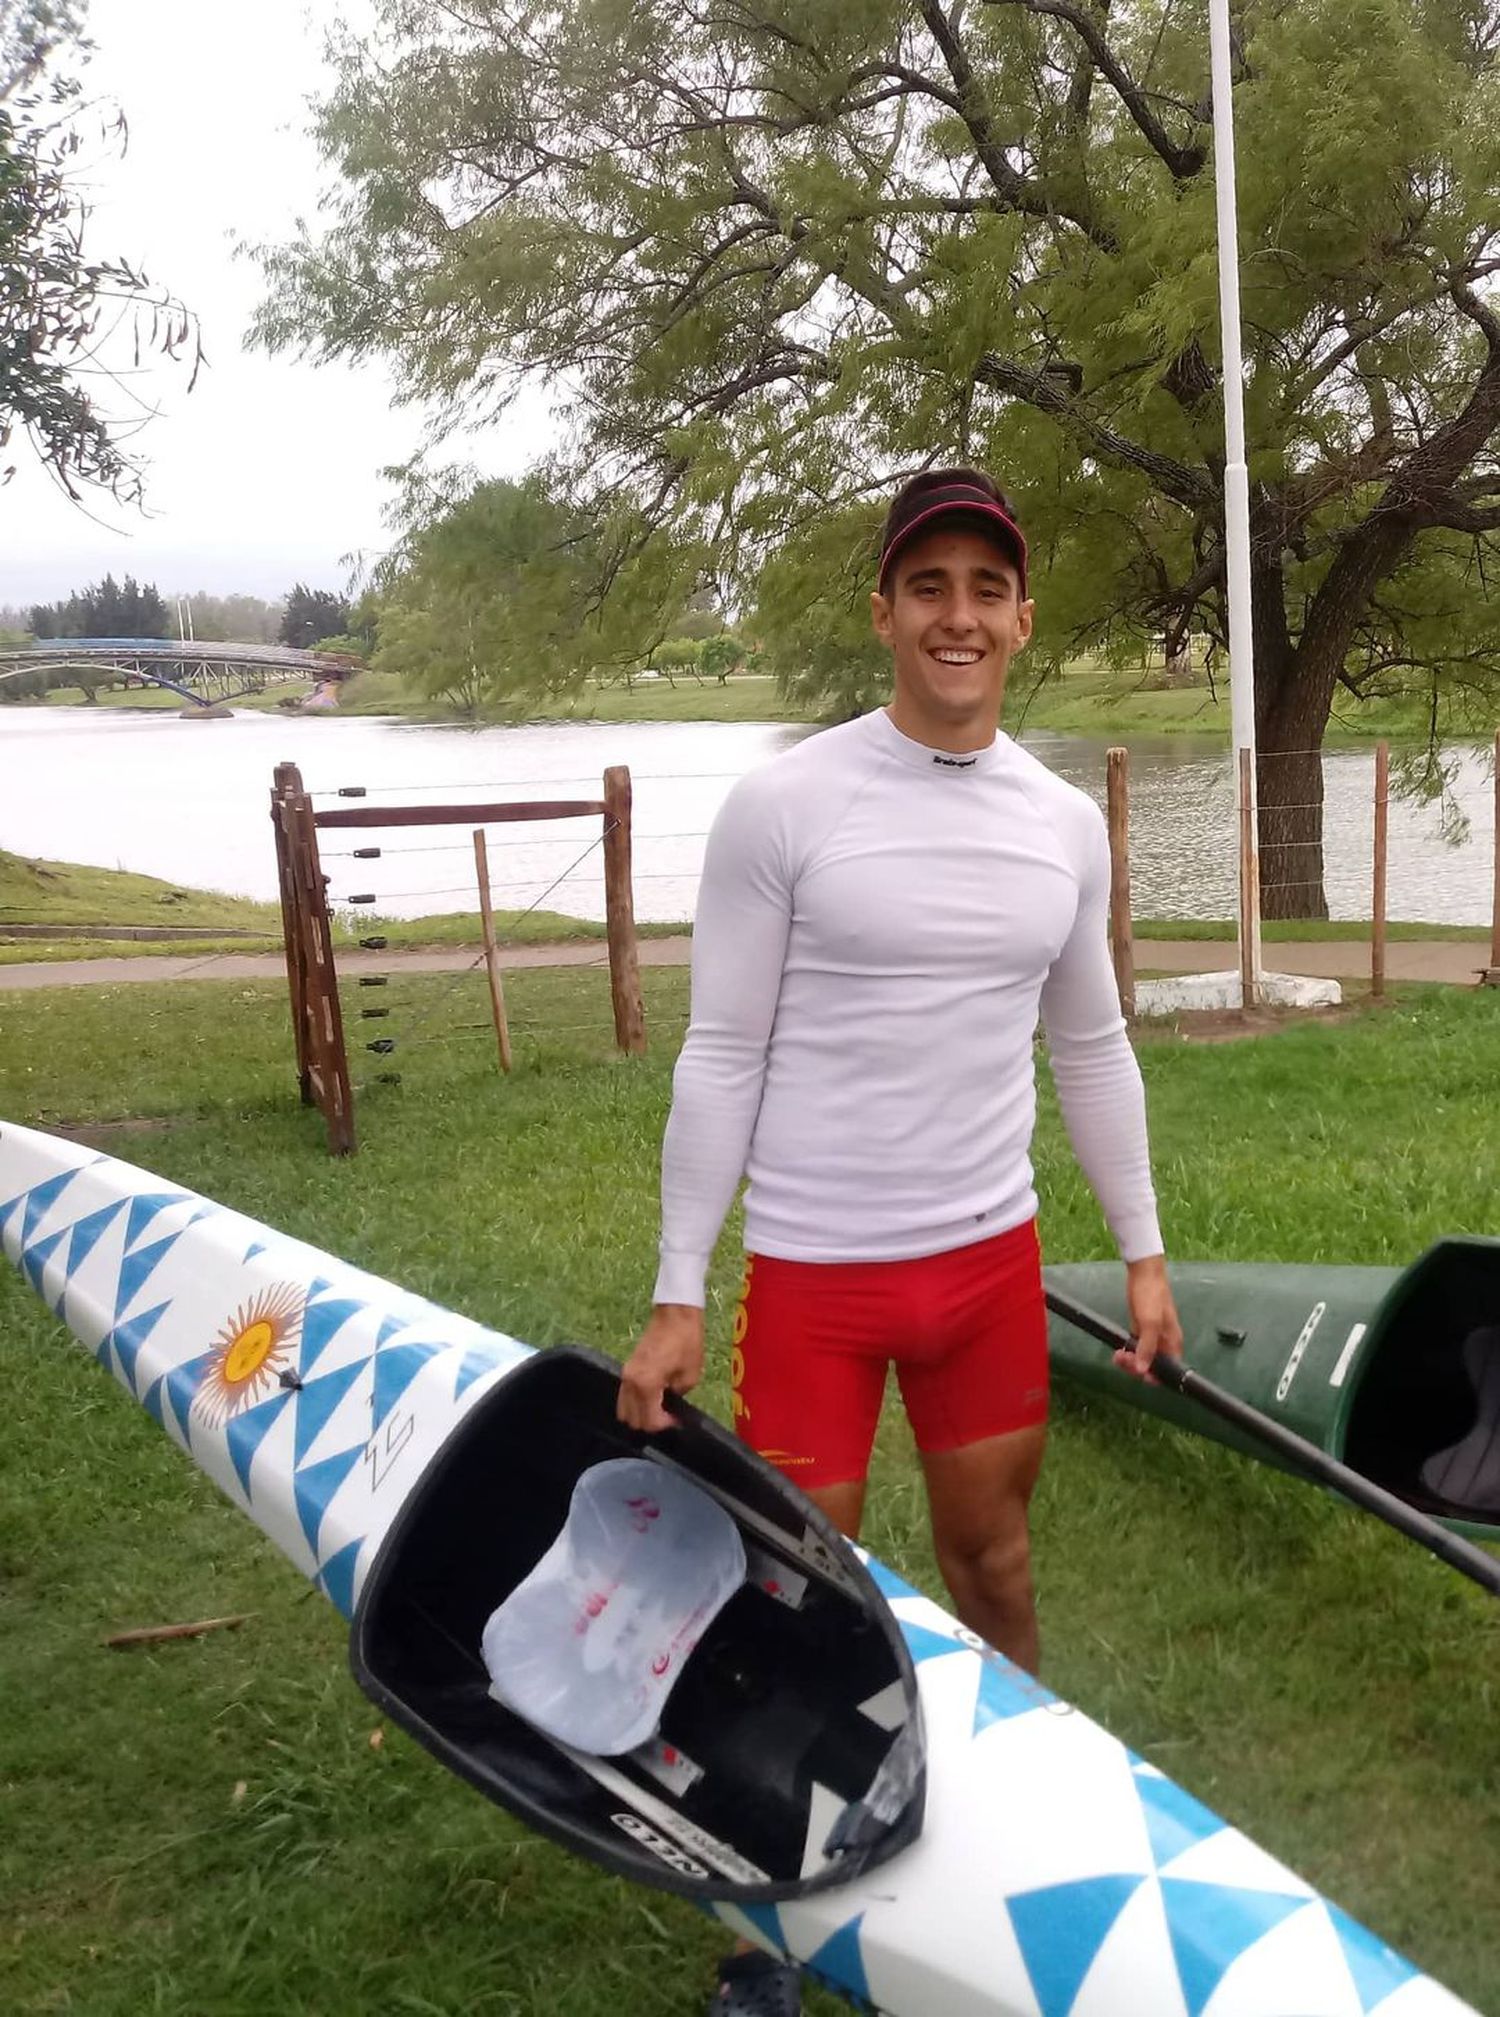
[(1395, 1372), (1425, 1418)]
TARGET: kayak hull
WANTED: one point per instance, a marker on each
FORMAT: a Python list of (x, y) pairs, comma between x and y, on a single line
[(1056, 1874), (1394, 1372)]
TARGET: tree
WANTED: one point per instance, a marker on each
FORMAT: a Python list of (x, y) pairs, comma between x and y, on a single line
[(721, 655), (495, 594), (773, 254), (58, 306), (312, 613), (106, 609)]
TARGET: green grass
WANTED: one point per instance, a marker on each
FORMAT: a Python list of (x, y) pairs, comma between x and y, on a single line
[(1306, 931), (63, 894), (206, 1828)]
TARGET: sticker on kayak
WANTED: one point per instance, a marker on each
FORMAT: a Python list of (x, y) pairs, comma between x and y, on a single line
[(250, 1354)]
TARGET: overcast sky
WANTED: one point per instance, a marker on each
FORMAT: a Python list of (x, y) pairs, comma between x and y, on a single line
[(268, 472)]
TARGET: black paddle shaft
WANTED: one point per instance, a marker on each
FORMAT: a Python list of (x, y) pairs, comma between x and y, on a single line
[(1302, 1455)]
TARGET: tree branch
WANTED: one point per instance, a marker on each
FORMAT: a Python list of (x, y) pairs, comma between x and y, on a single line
[(1184, 162)]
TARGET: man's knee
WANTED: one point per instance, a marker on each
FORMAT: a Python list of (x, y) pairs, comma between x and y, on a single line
[(995, 1566)]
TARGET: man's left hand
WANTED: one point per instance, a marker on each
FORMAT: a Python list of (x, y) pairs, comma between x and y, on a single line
[(1153, 1316)]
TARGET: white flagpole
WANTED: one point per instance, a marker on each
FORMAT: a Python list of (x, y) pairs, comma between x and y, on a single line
[(1236, 505)]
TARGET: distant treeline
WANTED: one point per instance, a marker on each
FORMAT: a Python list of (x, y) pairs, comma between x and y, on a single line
[(303, 616)]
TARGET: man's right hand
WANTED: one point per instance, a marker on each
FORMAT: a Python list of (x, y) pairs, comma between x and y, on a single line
[(669, 1355)]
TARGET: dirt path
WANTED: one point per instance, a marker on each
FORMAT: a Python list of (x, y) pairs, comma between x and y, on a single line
[(1457, 961)]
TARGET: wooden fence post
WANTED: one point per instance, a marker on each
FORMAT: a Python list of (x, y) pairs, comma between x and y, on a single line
[(619, 913), (491, 950), (323, 1020), (288, 784), (1382, 829), (1121, 933)]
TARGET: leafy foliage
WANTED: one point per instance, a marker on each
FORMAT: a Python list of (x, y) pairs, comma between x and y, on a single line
[(107, 608), (311, 613), (770, 255), (58, 306), (502, 592)]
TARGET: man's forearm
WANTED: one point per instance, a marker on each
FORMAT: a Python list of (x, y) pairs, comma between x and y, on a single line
[(716, 1098)]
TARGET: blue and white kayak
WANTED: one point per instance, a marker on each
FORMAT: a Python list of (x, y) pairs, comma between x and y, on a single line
[(939, 1836)]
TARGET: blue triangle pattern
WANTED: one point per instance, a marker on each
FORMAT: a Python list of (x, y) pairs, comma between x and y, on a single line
[(1061, 1929), (182, 1385), (1175, 1821), (318, 1286), (315, 1487), (1211, 1925), (135, 1268), (389, 1327), (35, 1257), (768, 1919), (255, 1247), (887, 1582), (87, 1233), (9, 1208), (1378, 1970), (317, 1401), (473, 1366), (839, 1960), (394, 1372), (40, 1200), (320, 1323), (143, 1210), (1004, 1691), (336, 1577), (128, 1338), (925, 1644), (246, 1431), (152, 1400)]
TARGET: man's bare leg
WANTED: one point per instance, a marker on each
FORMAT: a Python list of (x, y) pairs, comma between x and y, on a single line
[(978, 1498)]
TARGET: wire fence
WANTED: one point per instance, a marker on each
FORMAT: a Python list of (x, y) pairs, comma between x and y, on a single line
[(1318, 847), (1183, 845)]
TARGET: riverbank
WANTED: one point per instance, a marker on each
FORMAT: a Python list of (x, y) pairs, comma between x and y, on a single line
[(240, 1814), (1083, 699)]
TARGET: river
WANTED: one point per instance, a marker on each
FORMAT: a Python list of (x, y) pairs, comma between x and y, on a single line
[(187, 800)]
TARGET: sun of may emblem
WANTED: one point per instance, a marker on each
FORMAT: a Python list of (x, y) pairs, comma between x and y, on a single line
[(251, 1351)]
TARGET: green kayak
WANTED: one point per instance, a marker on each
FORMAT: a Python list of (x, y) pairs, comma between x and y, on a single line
[(1393, 1371)]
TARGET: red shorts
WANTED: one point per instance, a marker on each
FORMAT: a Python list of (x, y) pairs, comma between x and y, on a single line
[(967, 1331)]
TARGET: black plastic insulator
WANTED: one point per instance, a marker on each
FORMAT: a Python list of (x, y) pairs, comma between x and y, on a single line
[(375, 945), (351, 791), (368, 898), (369, 1014), (382, 1046), (366, 853)]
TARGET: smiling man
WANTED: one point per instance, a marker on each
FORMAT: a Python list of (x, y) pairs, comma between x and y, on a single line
[(886, 912)]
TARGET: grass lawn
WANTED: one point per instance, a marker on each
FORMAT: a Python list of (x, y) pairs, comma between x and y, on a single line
[(211, 1827), (63, 894)]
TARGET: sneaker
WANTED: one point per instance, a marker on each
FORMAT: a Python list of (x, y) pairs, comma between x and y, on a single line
[(757, 1985)]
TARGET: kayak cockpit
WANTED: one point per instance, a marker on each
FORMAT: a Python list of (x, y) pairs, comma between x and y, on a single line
[(1425, 1420), (787, 1754)]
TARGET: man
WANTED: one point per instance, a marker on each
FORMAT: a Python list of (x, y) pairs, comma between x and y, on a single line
[(884, 913)]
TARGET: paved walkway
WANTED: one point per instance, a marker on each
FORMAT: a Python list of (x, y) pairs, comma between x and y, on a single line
[(1458, 961)]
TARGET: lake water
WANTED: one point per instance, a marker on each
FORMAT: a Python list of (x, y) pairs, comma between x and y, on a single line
[(188, 800)]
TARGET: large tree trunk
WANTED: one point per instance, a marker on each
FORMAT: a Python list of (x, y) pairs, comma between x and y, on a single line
[(1294, 689)]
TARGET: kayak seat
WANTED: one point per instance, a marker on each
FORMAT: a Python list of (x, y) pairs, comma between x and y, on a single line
[(588, 1647), (1466, 1475)]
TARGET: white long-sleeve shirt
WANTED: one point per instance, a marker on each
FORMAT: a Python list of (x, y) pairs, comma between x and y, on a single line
[(879, 926)]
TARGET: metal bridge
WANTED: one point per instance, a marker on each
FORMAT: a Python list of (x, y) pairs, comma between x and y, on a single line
[(209, 674)]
